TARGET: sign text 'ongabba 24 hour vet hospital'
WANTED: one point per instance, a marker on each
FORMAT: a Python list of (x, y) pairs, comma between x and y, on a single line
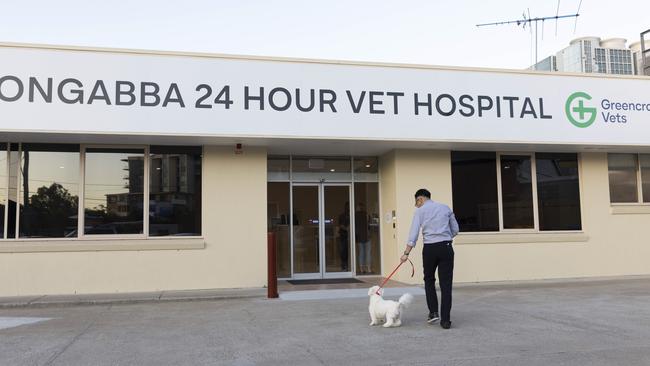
[(72, 91)]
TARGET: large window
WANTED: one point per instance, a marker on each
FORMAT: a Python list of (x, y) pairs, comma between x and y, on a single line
[(558, 191), (114, 191), (68, 191), (475, 205), (175, 191), (629, 178), (49, 190), (517, 192), (501, 192)]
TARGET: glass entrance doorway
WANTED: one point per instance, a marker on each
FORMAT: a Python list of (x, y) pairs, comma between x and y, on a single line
[(321, 230), (323, 214)]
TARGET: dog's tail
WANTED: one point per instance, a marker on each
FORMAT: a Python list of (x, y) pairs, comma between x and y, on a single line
[(405, 300)]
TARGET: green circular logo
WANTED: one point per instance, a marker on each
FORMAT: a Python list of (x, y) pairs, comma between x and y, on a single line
[(577, 113)]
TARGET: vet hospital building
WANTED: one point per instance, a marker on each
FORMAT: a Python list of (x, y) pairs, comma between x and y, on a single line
[(135, 171)]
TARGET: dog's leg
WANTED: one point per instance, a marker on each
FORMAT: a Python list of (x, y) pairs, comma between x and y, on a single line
[(373, 319), (398, 323), (389, 322)]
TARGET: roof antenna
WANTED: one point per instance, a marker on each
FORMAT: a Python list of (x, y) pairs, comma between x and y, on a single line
[(577, 13), (526, 21), (556, 14)]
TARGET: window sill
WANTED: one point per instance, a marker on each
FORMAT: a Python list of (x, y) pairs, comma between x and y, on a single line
[(520, 238), (631, 209), (92, 245)]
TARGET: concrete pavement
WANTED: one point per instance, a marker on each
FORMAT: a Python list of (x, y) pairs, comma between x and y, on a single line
[(563, 323)]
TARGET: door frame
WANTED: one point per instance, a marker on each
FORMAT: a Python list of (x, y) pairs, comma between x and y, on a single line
[(323, 274)]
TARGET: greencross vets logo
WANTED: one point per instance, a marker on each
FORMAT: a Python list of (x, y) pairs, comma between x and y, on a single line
[(576, 111)]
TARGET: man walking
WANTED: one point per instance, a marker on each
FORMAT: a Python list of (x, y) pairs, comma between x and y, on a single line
[(439, 227)]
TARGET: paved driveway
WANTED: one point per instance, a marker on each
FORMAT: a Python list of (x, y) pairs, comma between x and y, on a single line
[(569, 323)]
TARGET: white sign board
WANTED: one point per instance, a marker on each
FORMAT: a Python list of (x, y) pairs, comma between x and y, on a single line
[(73, 91)]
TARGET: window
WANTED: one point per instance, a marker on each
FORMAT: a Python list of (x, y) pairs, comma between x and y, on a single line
[(366, 169), (175, 191), (366, 227), (317, 168), (475, 205), (277, 168), (13, 159), (49, 190), (278, 216), (629, 178), (3, 187), (558, 191), (43, 195), (517, 192), (114, 191), (493, 192)]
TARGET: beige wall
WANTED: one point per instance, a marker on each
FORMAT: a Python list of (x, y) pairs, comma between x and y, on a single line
[(234, 229), (409, 171), (610, 244)]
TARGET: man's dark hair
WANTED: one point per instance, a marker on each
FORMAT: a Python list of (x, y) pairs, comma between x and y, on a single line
[(423, 193)]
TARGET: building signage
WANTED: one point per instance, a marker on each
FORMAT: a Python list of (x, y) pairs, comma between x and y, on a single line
[(75, 91)]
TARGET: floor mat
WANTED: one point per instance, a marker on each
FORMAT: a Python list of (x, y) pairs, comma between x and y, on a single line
[(328, 281)]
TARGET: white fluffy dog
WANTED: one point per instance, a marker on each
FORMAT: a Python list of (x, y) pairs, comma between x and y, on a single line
[(388, 311)]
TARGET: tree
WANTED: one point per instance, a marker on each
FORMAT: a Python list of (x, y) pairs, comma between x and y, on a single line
[(49, 212)]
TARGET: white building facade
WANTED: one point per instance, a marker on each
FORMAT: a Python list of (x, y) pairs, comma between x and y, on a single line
[(591, 55), (136, 171)]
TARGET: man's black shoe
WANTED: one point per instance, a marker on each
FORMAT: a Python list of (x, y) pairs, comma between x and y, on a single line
[(433, 317), (446, 325)]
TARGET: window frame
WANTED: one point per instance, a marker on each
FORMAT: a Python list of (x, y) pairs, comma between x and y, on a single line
[(81, 236), (533, 182), (533, 170), (639, 183)]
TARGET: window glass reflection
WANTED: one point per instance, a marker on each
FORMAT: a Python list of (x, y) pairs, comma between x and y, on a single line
[(475, 205), (517, 192), (3, 187), (645, 176), (317, 168), (366, 227), (277, 168), (366, 169), (14, 163), (114, 195), (558, 191), (622, 178), (49, 191), (175, 191)]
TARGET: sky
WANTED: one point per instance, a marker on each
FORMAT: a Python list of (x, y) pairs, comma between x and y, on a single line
[(421, 32)]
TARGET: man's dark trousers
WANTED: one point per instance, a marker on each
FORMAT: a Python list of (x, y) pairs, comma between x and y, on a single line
[(441, 256)]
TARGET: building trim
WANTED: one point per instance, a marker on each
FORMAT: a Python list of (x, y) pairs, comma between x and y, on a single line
[(100, 245), (306, 60), (634, 208), (520, 238)]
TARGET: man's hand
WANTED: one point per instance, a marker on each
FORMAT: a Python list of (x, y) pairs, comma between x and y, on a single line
[(404, 258)]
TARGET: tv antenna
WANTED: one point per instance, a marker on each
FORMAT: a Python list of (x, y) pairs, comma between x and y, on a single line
[(527, 21)]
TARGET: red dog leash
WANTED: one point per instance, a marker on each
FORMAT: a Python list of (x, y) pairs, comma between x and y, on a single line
[(392, 273)]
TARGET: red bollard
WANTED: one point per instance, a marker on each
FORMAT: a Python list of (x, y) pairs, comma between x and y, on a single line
[(272, 275)]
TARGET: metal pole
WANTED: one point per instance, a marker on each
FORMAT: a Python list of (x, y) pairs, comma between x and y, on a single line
[(272, 275), (536, 45)]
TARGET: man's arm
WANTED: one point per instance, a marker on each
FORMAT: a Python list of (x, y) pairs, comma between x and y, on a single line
[(413, 236), (453, 224)]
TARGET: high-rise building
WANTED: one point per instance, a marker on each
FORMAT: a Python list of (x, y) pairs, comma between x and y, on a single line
[(643, 53), (591, 55), (637, 58)]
